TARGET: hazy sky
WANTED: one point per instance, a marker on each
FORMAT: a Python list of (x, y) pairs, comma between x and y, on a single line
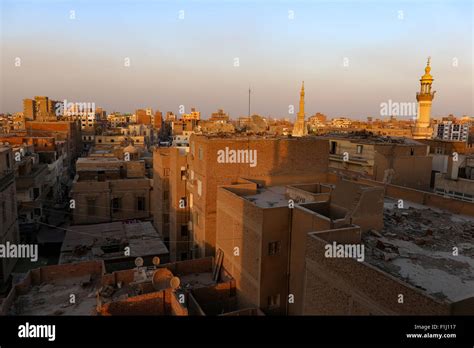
[(190, 61)]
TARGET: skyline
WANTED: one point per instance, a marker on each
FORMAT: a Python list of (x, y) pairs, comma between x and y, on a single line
[(386, 55)]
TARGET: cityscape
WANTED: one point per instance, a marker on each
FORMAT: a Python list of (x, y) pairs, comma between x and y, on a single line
[(300, 210)]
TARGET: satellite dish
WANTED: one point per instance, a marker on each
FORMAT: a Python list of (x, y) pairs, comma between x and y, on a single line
[(156, 261), (138, 262), (161, 278), (174, 283)]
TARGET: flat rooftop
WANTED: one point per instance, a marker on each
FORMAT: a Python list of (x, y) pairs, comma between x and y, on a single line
[(108, 241), (269, 197), (53, 298), (416, 246)]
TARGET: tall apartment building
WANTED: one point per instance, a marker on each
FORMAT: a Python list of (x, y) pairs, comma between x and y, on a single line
[(449, 130), (171, 215), (9, 231), (215, 161)]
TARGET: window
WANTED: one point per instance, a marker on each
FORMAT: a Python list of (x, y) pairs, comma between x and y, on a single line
[(91, 206), (166, 172), (4, 212), (274, 301), (191, 200), (199, 187), (333, 147), (100, 140), (195, 218), (141, 203), (359, 149), (116, 204), (36, 192), (184, 231), (8, 161), (274, 248), (412, 152), (201, 153)]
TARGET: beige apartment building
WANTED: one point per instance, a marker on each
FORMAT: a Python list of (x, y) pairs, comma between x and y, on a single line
[(108, 189), (261, 231), (398, 161), (214, 161), (171, 215)]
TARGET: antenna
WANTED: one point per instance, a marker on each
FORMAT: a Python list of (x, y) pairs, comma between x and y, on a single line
[(249, 100)]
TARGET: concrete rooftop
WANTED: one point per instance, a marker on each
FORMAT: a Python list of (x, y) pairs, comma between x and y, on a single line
[(416, 245)]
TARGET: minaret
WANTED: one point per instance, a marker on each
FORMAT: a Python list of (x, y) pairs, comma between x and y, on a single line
[(299, 129), (424, 97)]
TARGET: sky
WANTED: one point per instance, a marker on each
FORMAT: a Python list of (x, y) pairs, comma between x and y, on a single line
[(353, 55)]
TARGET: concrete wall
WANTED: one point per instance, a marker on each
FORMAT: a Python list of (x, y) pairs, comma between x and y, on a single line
[(341, 286)]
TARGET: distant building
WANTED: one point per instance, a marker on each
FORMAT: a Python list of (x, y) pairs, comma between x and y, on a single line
[(399, 161), (108, 189), (449, 130), (9, 231)]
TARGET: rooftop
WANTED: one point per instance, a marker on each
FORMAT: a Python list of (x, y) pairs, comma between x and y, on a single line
[(108, 241), (269, 197), (416, 245), (53, 297)]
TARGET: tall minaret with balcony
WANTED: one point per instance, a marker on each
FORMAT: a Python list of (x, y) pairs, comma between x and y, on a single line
[(299, 129), (425, 97)]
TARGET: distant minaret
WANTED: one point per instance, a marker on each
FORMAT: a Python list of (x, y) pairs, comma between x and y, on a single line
[(424, 97), (299, 129)]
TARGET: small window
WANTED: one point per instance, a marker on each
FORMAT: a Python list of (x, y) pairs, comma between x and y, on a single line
[(201, 153), (333, 147), (141, 203), (412, 152), (91, 206), (184, 231), (274, 301), (274, 248), (199, 182), (4, 212), (359, 149), (100, 140), (116, 204)]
